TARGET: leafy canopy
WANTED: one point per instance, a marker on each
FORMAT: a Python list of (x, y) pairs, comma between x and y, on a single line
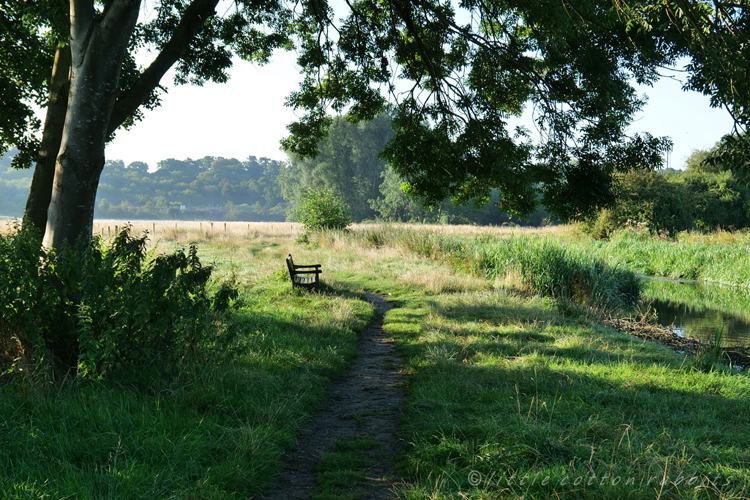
[(459, 74), (456, 75), (189, 36), (714, 35)]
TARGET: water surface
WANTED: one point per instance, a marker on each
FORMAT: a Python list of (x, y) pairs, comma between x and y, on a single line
[(697, 310)]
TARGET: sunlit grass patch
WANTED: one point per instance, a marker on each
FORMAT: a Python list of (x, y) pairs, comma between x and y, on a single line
[(438, 281), (507, 389)]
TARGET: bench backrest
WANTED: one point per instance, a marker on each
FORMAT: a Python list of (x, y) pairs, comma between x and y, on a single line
[(290, 265)]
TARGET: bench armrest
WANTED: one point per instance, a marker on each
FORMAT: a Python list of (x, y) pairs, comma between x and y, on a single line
[(302, 267)]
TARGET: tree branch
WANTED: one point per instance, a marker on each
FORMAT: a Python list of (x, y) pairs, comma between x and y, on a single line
[(116, 11), (191, 24), (81, 17)]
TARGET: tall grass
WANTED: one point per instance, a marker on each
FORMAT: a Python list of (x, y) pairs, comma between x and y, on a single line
[(510, 399), (542, 265), (720, 259)]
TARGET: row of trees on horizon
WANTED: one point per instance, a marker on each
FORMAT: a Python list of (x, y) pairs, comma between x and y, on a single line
[(703, 197), (261, 189)]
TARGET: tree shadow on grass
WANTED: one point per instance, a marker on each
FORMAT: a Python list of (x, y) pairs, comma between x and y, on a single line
[(541, 325), (516, 404)]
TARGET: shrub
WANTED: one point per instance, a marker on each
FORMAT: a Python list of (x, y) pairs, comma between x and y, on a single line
[(104, 310), (693, 200), (322, 209)]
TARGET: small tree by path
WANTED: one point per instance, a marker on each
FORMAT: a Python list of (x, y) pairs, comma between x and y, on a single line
[(322, 209)]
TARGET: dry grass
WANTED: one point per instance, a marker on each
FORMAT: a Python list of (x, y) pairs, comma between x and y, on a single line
[(718, 237), (471, 229), (437, 281), (200, 230), (208, 231), (7, 224)]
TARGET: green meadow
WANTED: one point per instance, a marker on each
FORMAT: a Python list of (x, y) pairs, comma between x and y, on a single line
[(516, 387)]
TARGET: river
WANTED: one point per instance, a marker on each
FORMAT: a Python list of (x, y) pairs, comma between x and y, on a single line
[(698, 310)]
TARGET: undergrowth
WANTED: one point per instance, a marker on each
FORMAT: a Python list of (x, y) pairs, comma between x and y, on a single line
[(104, 310)]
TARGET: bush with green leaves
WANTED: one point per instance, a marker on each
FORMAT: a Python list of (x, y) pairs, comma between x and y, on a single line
[(702, 198), (322, 209), (103, 310)]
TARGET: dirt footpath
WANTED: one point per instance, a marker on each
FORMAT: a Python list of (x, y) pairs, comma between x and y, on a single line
[(364, 401)]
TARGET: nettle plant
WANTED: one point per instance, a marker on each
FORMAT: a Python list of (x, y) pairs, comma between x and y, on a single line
[(104, 310)]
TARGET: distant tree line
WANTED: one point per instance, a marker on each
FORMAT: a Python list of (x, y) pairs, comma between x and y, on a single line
[(260, 189), (14, 187), (209, 188), (703, 197)]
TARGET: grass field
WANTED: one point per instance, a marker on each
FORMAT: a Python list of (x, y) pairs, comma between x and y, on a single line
[(511, 394), (198, 230)]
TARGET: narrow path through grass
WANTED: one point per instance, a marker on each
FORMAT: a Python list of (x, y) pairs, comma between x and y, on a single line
[(348, 450)]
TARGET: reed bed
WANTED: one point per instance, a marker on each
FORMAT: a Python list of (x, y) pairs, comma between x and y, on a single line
[(532, 262), (720, 258)]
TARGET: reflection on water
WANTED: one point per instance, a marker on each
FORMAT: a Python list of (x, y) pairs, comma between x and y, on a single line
[(703, 325), (697, 310)]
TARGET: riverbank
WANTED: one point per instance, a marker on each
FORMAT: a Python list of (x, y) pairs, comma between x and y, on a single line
[(720, 257)]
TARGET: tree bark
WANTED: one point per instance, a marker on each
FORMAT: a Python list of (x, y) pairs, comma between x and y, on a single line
[(40, 193), (98, 47)]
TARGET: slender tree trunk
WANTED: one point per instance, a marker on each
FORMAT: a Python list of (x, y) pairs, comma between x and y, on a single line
[(40, 193), (98, 47)]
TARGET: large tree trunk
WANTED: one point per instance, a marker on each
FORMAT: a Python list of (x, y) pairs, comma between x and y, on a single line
[(98, 44), (98, 47), (40, 193)]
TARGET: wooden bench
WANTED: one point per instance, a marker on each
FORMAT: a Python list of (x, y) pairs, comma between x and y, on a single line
[(303, 281)]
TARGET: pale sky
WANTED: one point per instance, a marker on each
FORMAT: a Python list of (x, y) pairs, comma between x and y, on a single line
[(247, 117)]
